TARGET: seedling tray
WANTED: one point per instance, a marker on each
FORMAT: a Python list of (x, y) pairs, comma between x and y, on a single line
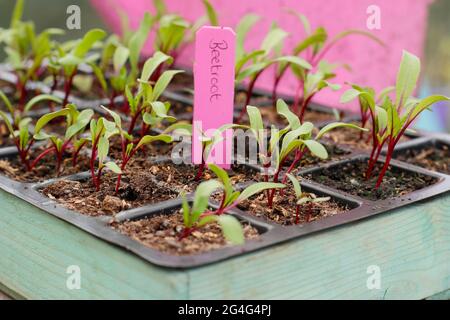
[(270, 232)]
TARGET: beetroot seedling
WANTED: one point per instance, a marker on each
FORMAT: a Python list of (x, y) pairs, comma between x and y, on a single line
[(198, 215), (304, 199), (391, 119)]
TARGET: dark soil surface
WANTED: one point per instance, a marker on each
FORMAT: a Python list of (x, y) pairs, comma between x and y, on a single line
[(334, 153), (45, 169), (162, 233), (137, 189), (352, 138), (182, 177), (181, 82), (349, 177), (435, 158), (180, 110), (157, 148), (284, 209)]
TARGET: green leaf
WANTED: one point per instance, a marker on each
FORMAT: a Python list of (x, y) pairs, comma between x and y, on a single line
[(294, 60), (246, 58), (224, 178), (160, 110), (83, 82), (7, 122), (292, 118), (322, 199), (103, 148), (7, 103), (179, 128), (273, 38), (255, 118), (257, 188), (17, 13), (100, 76), (243, 27), (381, 118), (91, 37), (153, 63), (303, 20), (115, 116), (149, 139), (316, 149), (251, 71), (49, 117), (296, 184), (318, 38), (231, 229), (201, 197), (426, 103), (350, 95), (138, 40), (120, 58), (80, 124), (113, 167), (407, 77), (336, 125), (212, 14), (160, 7), (40, 98), (163, 82)]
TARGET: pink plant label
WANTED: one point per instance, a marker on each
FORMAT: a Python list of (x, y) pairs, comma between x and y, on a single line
[(214, 92)]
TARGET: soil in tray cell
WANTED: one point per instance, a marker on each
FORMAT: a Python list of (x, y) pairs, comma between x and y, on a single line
[(354, 139), (45, 169), (162, 232), (349, 177), (284, 210), (334, 153), (137, 189), (432, 157), (183, 177)]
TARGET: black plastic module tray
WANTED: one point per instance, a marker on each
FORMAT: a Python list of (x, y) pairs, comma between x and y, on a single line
[(271, 233)]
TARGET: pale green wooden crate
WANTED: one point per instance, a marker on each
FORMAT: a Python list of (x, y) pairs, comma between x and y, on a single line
[(411, 246)]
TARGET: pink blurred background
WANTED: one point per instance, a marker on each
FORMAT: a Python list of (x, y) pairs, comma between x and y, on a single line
[(403, 26)]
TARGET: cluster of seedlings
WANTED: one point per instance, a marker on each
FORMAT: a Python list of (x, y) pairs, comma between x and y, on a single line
[(112, 142)]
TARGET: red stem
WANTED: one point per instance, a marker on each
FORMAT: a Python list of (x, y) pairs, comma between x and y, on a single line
[(248, 97), (133, 121), (386, 163), (40, 156), (68, 87)]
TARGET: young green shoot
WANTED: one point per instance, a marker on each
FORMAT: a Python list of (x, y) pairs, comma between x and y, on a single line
[(391, 119), (251, 65), (304, 199), (199, 215), (76, 123)]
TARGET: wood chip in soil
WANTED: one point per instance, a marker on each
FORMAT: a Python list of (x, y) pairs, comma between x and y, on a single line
[(161, 232), (349, 177), (137, 189), (284, 210)]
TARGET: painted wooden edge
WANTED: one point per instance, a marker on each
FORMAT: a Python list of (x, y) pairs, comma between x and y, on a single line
[(410, 246), (37, 250)]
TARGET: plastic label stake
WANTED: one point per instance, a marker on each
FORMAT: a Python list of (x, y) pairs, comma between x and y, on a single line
[(215, 49)]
